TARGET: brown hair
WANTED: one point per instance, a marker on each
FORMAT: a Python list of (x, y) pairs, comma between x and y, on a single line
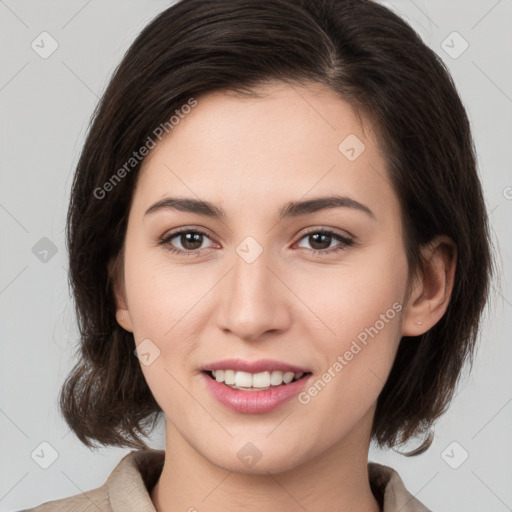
[(375, 61)]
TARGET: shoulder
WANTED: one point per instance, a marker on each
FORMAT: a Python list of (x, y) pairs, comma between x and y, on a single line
[(90, 501), (388, 487), (126, 489)]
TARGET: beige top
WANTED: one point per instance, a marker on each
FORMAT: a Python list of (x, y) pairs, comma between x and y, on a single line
[(128, 486)]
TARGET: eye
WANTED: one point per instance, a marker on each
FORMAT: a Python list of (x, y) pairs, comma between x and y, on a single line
[(189, 242), (185, 241), (321, 241)]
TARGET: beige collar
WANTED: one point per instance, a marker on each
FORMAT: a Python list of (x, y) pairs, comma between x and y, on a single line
[(141, 470)]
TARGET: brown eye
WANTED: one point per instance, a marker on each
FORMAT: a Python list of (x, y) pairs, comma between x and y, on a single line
[(185, 241), (191, 240), (321, 241)]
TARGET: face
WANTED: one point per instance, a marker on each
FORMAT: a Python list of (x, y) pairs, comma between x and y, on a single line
[(297, 263)]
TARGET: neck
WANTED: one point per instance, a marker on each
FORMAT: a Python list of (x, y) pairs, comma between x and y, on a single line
[(336, 480)]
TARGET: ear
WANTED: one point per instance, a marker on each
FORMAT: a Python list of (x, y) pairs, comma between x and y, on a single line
[(115, 272), (431, 290)]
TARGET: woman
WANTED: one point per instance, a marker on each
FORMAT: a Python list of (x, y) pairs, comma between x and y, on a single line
[(277, 206)]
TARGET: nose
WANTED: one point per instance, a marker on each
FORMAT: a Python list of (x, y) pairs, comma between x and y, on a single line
[(253, 300)]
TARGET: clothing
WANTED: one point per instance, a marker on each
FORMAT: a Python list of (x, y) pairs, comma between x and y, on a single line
[(127, 488)]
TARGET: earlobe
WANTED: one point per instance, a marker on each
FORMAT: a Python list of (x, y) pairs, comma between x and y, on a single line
[(431, 292), (123, 319), (122, 313)]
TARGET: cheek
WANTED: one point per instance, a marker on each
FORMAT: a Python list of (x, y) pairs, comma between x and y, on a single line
[(161, 296), (365, 293), (168, 305), (363, 309)]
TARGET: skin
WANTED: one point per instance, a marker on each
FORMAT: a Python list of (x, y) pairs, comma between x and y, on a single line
[(250, 156)]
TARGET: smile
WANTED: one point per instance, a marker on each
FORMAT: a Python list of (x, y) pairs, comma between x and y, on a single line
[(254, 381)]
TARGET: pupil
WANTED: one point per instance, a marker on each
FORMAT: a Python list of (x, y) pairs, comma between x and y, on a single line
[(323, 238), (191, 241)]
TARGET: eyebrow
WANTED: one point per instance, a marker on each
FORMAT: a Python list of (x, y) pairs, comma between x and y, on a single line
[(289, 210)]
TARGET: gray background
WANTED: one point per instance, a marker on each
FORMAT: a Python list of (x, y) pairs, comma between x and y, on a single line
[(46, 104)]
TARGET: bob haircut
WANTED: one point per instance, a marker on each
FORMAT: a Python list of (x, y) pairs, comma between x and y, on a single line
[(373, 60)]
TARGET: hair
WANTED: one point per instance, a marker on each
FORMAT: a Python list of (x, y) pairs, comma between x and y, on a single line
[(372, 59)]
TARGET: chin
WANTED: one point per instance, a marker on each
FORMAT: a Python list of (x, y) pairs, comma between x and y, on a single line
[(257, 457)]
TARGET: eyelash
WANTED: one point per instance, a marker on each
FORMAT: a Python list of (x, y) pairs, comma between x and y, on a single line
[(345, 242)]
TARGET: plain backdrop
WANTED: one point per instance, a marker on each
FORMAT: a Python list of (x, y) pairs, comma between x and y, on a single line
[(46, 102)]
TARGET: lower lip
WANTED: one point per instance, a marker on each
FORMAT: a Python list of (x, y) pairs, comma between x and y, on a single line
[(253, 402)]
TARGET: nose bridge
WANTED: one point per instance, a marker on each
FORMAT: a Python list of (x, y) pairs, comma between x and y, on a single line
[(250, 276), (253, 301)]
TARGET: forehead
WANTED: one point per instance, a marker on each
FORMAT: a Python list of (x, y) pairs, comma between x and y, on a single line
[(283, 143)]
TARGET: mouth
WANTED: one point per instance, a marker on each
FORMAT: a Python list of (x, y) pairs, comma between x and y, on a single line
[(254, 387), (261, 381)]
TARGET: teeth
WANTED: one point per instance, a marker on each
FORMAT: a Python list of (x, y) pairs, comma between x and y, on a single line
[(243, 380), (263, 380), (229, 376)]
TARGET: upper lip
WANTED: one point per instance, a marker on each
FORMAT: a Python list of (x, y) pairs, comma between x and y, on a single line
[(259, 366)]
